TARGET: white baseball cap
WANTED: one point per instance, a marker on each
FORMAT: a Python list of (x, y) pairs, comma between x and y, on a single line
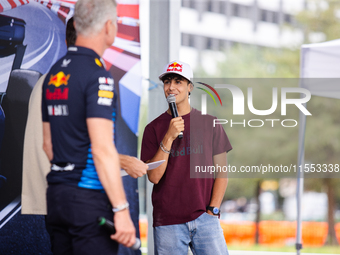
[(178, 67)]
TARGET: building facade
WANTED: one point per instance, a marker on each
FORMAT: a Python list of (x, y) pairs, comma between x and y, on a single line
[(209, 27)]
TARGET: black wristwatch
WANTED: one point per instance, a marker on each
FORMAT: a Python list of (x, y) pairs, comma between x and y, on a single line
[(214, 210)]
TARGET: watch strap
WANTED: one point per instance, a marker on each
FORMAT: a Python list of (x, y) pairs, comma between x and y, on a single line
[(211, 208)]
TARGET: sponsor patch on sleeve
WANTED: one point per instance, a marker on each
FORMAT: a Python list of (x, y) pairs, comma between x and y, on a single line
[(105, 92), (104, 101), (105, 80)]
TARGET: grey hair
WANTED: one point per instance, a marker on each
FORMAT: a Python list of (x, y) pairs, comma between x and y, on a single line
[(91, 15)]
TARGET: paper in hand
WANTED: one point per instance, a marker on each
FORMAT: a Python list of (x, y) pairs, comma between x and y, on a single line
[(151, 165)]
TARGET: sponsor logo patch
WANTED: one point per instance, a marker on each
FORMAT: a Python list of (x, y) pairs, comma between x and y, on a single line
[(68, 167), (65, 62), (105, 93), (174, 67), (98, 62), (104, 101), (57, 110), (59, 79), (105, 80), (106, 87), (72, 49), (57, 94)]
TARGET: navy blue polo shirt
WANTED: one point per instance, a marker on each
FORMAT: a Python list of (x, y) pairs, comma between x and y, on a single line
[(76, 88)]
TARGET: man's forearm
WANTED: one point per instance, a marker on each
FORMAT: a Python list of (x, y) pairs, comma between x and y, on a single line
[(106, 159), (107, 165), (219, 188), (221, 181), (125, 161), (156, 174), (132, 165)]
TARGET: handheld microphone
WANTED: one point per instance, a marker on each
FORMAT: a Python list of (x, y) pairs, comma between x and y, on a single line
[(173, 108), (110, 226)]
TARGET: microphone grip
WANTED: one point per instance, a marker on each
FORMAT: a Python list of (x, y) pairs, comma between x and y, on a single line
[(174, 113), (173, 109), (110, 226)]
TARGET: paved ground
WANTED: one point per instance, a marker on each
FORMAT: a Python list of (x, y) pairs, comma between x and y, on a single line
[(270, 253), (145, 250)]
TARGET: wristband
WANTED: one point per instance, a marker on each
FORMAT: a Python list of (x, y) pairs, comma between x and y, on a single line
[(120, 207), (163, 148)]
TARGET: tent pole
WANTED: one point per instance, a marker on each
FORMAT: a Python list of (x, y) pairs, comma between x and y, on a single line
[(300, 180)]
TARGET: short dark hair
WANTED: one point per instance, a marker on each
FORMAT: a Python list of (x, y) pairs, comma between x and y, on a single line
[(71, 35), (172, 76)]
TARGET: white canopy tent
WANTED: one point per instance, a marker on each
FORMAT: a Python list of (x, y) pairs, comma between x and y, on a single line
[(319, 60)]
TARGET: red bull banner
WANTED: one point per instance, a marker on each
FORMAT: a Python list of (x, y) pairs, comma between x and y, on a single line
[(32, 39)]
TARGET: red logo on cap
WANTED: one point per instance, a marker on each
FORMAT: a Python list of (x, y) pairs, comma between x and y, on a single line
[(174, 67)]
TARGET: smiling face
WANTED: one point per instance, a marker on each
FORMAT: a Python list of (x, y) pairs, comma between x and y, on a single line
[(178, 86)]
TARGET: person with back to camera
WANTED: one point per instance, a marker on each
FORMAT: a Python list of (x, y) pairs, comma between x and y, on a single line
[(185, 204), (35, 165), (35, 162), (78, 103)]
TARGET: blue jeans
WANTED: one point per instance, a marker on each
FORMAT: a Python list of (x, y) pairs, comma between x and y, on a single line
[(204, 235)]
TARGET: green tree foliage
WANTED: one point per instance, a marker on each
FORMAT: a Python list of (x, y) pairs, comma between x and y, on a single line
[(322, 16), (256, 62)]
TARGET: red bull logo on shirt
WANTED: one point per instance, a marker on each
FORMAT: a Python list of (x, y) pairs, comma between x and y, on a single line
[(57, 94), (174, 67), (59, 79)]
